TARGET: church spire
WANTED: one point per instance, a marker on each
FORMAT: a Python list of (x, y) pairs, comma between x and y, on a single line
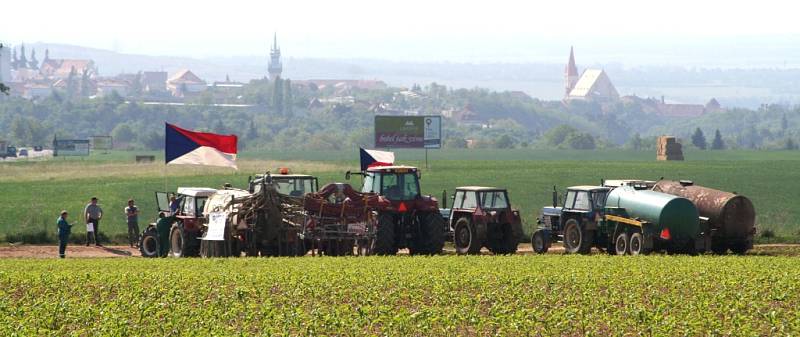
[(275, 67), (570, 73)]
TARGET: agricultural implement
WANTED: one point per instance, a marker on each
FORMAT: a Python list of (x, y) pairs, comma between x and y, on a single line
[(620, 221), (339, 218), (409, 220), (731, 217), (483, 217)]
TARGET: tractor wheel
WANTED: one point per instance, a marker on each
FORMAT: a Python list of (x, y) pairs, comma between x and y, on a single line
[(739, 248), (176, 240), (719, 248), (577, 239), (504, 241), (621, 244), (539, 242), (149, 244), (384, 240), (431, 235), (636, 244), (465, 239)]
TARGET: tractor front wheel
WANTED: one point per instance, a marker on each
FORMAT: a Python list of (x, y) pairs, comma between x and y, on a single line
[(539, 242), (149, 244)]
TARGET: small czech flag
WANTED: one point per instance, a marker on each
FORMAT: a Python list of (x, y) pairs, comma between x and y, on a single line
[(372, 158)]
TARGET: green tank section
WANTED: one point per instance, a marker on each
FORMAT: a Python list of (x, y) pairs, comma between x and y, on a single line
[(677, 214)]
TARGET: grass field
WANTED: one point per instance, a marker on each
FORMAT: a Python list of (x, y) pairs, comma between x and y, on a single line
[(403, 296), (34, 192)]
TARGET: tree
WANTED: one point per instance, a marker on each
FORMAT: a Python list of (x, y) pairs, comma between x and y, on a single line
[(790, 144), (636, 142), (504, 142), (3, 88), (277, 96), (252, 132), (698, 139), (580, 141), (784, 123), (717, 143), (123, 133), (288, 99)]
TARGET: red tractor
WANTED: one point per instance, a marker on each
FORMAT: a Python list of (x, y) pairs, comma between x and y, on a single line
[(410, 220), (483, 217)]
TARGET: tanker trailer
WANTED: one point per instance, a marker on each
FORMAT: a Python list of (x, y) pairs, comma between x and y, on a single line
[(646, 220), (731, 217)]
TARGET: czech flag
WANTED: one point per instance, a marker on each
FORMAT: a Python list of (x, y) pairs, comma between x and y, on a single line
[(199, 148), (372, 158)]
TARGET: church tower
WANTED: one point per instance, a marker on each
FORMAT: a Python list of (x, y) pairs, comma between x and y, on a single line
[(275, 67), (570, 74)]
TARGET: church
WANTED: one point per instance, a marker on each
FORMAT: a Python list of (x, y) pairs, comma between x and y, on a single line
[(591, 85)]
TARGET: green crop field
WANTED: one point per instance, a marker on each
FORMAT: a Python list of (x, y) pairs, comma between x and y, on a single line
[(521, 295), (34, 192)]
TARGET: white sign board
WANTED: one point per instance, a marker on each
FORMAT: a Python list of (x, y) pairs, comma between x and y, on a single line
[(433, 132), (216, 226)]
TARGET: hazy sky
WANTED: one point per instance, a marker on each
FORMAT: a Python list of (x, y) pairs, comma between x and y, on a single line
[(498, 30)]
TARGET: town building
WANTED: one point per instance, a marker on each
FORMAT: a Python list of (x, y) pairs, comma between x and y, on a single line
[(592, 85), (185, 83), (275, 67), (5, 64), (107, 86), (154, 81), (61, 68)]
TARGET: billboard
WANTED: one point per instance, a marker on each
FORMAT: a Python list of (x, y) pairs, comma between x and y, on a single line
[(408, 132), (101, 142), (70, 147)]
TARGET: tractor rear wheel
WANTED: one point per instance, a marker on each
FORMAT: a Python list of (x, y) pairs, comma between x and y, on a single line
[(577, 239), (719, 248), (739, 248), (621, 244), (539, 242), (465, 238), (148, 245), (176, 241), (384, 240), (430, 240), (503, 241)]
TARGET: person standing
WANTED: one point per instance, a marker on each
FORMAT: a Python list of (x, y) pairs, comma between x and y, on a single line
[(132, 218), (64, 229), (163, 227), (92, 214)]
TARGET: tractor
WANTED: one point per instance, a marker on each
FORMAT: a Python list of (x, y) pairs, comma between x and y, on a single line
[(483, 217), (184, 237), (293, 185), (410, 220)]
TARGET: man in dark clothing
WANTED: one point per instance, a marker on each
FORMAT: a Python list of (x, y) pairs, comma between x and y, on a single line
[(92, 214), (64, 229), (163, 227), (132, 218)]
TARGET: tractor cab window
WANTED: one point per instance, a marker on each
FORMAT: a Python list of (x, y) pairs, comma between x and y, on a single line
[(569, 200), (371, 183), (400, 186), (493, 200), (188, 206), (582, 201), (294, 187), (201, 204), (470, 200), (599, 199), (458, 199)]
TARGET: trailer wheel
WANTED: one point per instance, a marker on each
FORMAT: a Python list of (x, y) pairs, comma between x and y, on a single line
[(149, 244), (719, 248), (739, 248), (430, 240), (384, 240), (577, 239), (637, 245), (465, 238), (539, 242), (621, 244), (504, 242)]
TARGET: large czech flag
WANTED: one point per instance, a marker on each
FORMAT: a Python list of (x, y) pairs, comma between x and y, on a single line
[(199, 148), (372, 158)]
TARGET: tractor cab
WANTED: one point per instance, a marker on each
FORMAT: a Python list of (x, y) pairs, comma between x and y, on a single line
[(293, 185), (584, 203), (635, 183), (483, 217), (396, 183), (191, 201)]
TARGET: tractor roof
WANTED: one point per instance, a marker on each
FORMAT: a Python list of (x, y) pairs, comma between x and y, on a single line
[(479, 188), (196, 191), (392, 168), (628, 182), (287, 176), (588, 188)]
